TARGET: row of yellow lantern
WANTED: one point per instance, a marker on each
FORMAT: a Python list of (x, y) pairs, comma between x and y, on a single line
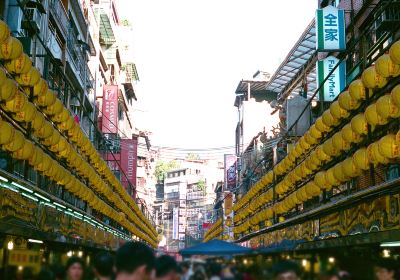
[(214, 235), (376, 114), (20, 64), (215, 227)]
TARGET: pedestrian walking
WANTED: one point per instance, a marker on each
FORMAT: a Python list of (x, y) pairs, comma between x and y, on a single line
[(167, 268), (103, 266), (135, 261), (387, 269), (75, 268), (286, 270)]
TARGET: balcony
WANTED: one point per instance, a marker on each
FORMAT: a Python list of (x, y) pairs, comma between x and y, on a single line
[(59, 15), (54, 46)]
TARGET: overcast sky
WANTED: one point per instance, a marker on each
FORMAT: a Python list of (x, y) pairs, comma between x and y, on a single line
[(191, 55)]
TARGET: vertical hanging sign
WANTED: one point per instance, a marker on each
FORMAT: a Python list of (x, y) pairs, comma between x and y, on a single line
[(230, 172), (336, 81), (110, 109), (129, 161), (330, 29)]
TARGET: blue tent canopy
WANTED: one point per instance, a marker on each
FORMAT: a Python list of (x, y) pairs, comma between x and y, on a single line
[(215, 248)]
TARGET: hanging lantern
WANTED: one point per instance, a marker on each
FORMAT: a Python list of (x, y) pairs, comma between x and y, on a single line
[(328, 119), (388, 146), (329, 149), (54, 109), (349, 135), (314, 132), (27, 114), (386, 67), (321, 126), (347, 102), (40, 88), (47, 99), (349, 169), (361, 160), (387, 108), (10, 48), (4, 31), (359, 124), (321, 155), (16, 142), (312, 189), (337, 111), (330, 179), (45, 131), (3, 76), (357, 90), (7, 132), (371, 79), (339, 143), (8, 89), (372, 116), (38, 121), (28, 79), (53, 139), (394, 52), (37, 156), (19, 65), (374, 155), (309, 139), (17, 103), (303, 144), (320, 180), (62, 116), (66, 125), (395, 95), (338, 173)]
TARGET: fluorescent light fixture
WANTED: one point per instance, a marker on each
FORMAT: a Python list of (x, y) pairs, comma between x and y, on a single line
[(391, 244), (35, 241), (77, 213), (3, 179), (21, 187), (50, 205), (30, 197), (69, 209), (59, 205), (69, 213), (42, 197), (8, 187)]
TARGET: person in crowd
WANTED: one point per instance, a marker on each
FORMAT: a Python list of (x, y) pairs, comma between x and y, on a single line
[(75, 268), (286, 270), (103, 266), (45, 274), (59, 271), (135, 261), (167, 268), (215, 271), (185, 271), (199, 272), (387, 269), (227, 273)]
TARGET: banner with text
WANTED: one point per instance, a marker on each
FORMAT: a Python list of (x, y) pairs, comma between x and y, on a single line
[(230, 172), (330, 29), (129, 161), (110, 109), (335, 83)]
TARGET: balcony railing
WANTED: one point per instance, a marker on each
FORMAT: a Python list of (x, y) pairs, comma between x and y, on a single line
[(60, 16)]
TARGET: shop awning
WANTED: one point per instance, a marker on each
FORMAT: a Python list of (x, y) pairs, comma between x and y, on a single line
[(283, 246), (298, 67), (107, 36), (257, 91), (216, 248)]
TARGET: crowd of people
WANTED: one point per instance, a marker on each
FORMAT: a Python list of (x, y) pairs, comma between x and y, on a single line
[(137, 261)]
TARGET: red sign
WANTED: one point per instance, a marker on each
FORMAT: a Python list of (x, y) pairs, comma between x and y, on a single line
[(110, 109), (207, 225), (230, 172), (129, 161)]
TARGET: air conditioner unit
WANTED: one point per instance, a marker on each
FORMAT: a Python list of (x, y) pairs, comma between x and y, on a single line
[(31, 20)]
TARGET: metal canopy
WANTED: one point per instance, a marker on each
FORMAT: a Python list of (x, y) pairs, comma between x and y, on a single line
[(285, 80), (257, 91), (106, 31)]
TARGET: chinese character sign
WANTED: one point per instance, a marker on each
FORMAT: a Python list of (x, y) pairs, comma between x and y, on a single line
[(175, 223), (230, 172), (129, 161), (330, 29), (110, 109), (335, 83)]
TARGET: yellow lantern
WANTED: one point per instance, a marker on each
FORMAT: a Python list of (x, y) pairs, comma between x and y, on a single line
[(360, 159), (10, 48), (54, 109), (4, 31), (27, 114), (388, 146), (394, 52), (8, 89), (309, 139), (337, 111), (62, 116), (395, 95), (19, 65), (359, 124), (387, 108), (40, 88), (329, 149), (315, 133), (45, 131), (339, 143), (349, 135), (338, 173), (328, 119), (47, 99), (372, 116), (66, 125), (312, 189), (330, 179), (16, 143), (349, 169), (38, 121), (357, 90), (371, 79), (37, 156), (374, 155), (29, 78), (303, 144), (385, 67), (7, 132), (17, 103), (347, 102), (321, 155), (320, 180), (25, 151), (53, 139), (321, 126)]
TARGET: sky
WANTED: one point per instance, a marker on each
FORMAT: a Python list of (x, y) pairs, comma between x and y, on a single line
[(191, 55)]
